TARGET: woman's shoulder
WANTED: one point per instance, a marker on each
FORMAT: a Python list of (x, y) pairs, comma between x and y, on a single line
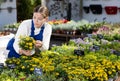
[(27, 21), (48, 25), (26, 24)]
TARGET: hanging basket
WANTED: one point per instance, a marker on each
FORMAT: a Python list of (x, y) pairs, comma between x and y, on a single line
[(86, 9), (111, 10), (96, 9)]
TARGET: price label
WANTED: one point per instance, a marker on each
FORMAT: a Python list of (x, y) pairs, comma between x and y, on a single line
[(78, 52), (100, 36), (96, 47), (89, 35), (116, 52), (1, 65), (11, 66), (37, 71)]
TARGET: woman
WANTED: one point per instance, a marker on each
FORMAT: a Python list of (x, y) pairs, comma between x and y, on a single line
[(37, 27)]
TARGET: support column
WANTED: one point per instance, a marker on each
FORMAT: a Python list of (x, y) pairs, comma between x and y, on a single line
[(43, 2)]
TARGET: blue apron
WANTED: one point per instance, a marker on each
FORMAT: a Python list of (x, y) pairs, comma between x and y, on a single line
[(10, 47)]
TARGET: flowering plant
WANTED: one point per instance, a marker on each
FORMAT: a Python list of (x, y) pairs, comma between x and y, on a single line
[(26, 43)]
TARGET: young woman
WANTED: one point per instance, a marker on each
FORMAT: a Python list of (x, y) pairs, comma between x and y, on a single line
[(37, 27)]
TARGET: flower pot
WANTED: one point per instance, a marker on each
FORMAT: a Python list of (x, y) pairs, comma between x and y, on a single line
[(111, 10), (96, 9)]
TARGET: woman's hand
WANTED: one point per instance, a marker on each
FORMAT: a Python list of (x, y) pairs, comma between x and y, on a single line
[(25, 52), (38, 44)]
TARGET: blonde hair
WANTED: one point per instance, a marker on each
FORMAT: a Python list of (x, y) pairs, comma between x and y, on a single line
[(42, 10)]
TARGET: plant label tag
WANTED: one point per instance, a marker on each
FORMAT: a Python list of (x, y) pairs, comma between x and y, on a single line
[(37, 71), (89, 35), (116, 52), (1, 65), (100, 36), (96, 47), (11, 66), (78, 52)]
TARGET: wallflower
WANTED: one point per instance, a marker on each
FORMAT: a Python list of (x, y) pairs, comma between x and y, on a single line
[(26, 43), (31, 69), (23, 67), (9, 80)]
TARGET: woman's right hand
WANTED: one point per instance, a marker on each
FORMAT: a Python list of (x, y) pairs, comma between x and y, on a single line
[(25, 52)]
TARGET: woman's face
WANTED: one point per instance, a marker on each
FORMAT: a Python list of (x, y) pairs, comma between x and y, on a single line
[(38, 19)]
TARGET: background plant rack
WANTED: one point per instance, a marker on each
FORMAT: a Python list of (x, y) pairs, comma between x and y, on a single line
[(65, 37), (11, 30)]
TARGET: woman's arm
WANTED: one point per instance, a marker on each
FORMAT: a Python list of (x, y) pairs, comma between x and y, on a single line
[(46, 37), (22, 31)]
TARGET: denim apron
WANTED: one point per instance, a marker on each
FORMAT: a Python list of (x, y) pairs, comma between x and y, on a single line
[(12, 52)]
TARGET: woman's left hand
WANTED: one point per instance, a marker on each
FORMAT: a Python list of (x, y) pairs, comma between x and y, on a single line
[(25, 52), (38, 44)]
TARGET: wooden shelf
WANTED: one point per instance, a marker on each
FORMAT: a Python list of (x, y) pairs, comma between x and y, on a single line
[(66, 36)]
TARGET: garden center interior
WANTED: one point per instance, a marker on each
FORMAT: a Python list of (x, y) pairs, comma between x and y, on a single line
[(84, 44)]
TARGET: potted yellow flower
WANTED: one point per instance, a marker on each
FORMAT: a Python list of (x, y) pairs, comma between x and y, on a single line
[(26, 42)]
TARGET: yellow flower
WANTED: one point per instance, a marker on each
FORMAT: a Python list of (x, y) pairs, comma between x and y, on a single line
[(31, 69), (8, 80), (57, 73), (30, 47), (18, 62), (109, 72), (30, 44), (23, 67), (27, 38), (10, 61), (26, 43), (34, 65)]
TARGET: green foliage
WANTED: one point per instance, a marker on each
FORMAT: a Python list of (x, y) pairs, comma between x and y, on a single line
[(25, 8), (15, 25), (72, 43), (37, 2), (64, 49), (1, 2)]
